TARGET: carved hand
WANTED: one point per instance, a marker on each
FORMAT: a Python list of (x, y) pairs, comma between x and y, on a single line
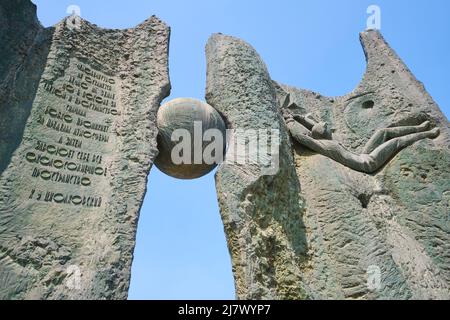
[(288, 116)]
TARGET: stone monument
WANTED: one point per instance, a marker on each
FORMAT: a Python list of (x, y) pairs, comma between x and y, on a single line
[(78, 135)]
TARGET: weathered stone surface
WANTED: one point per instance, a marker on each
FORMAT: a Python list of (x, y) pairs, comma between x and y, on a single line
[(343, 222), (262, 214), (200, 136), (73, 183), (23, 51)]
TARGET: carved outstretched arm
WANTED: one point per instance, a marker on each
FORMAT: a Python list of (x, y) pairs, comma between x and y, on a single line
[(378, 156), (306, 120)]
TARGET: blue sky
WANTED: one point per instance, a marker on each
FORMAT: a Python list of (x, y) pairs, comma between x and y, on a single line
[(181, 250)]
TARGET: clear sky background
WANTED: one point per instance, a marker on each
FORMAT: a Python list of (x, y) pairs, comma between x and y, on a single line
[(181, 250)]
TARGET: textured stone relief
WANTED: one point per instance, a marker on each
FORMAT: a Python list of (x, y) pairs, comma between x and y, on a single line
[(80, 104), (371, 202)]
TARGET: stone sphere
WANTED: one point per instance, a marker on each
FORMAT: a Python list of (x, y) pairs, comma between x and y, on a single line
[(183, 113)]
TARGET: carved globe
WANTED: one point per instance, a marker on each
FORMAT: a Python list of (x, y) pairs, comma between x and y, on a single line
[(186, 113)]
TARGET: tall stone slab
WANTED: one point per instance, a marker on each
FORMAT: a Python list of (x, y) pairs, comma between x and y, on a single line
[(78, 115), (392, 225), (23, 52), (262, 214)]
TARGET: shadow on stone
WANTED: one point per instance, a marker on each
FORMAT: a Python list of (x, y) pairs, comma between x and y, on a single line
[(23, 55)]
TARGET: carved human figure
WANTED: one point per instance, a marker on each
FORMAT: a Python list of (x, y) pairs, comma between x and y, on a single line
[(383, 145)]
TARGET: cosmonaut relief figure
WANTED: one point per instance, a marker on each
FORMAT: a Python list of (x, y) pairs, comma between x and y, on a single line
[(381, 147)]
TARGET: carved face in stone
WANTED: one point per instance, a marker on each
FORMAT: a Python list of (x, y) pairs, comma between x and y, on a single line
[(191, 139)]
